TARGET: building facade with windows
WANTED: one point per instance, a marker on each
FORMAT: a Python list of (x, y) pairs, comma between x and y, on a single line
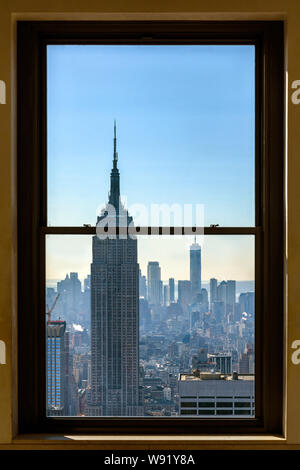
[(210, 395), (155, 292), (57, 368), (114, 316)]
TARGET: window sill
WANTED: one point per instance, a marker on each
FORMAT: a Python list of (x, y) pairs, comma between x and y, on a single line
[(136, 442)]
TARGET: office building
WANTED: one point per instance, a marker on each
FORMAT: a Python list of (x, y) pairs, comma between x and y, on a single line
[(195, 268), (172, 289), (230, 296), (246, 301), (184, 293), (114, 315), (166, 295), (57, 367), (222, 362), (210, 395), (213, 284), (142, 286), (154, 283)]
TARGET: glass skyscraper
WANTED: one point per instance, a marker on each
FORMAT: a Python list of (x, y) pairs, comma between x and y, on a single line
[(57, 365)]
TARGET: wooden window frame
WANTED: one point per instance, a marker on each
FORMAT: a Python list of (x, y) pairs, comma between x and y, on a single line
[(267, 36)]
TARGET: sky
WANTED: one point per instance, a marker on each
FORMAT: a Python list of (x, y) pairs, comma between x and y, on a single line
[(185, 129)]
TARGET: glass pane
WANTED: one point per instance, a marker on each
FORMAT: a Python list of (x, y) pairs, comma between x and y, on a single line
[(185, 132), (150, 327)]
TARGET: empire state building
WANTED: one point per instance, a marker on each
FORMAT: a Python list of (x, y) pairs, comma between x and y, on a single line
[(114, 315)]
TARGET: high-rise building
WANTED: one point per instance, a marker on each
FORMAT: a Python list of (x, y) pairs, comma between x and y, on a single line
[(142, 285), (204, 298), (222, 292), (114, 315), (195, 268), (70, 301), (213, 284), (166, 295), (244, 364), (57, 368), (172, 289), (246, 301), (230, 296), (218, 310), (87, 283), (184, 293), (154, 283), (222, 361)]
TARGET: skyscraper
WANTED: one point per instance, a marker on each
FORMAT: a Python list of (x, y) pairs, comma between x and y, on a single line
[(166, 295), (70, 301), (142, 285), (114, 315), (172, 289), (230, 296), (213, 284), (222, 292), (195, 268), (154, 283), (184, 293), (57, 368)]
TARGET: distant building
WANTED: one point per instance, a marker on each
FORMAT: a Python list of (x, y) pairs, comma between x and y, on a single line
[(222, 292), (244, 364), (145, 316), (154, 283), (222, 362), (247, 361), (184, 293), (213, 283), (246, 301), (166, 295), (230, 296), (167, 393), (70, 301), (208, 395), (195, 268), (87, 283), (142, 285), (218, 309), (200, 360), (172, 289), (202, 299)]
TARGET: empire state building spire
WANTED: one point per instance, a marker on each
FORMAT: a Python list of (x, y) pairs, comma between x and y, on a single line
[(114, 194)]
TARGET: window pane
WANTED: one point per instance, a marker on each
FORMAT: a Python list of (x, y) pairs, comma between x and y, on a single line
[(149, 327), (185, 132)]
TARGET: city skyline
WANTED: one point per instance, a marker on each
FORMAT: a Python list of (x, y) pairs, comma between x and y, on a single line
[(110, 371), (180, 142), (62, 257), (121, 353)]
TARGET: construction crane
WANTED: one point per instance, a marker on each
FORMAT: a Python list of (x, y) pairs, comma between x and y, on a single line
[(49, 311)]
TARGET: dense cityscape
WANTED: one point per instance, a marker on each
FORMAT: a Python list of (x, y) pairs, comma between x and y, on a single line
[(127, 343)]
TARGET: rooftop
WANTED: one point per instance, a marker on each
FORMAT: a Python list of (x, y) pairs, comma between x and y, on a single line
[(213, 376)]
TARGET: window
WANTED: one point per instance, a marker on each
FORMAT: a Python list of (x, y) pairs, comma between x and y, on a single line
[(59, 187)]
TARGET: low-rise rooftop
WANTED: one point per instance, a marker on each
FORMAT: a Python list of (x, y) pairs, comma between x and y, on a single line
[(213, 376)]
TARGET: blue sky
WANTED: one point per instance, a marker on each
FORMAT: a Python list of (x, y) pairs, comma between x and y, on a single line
[(185, 125)]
